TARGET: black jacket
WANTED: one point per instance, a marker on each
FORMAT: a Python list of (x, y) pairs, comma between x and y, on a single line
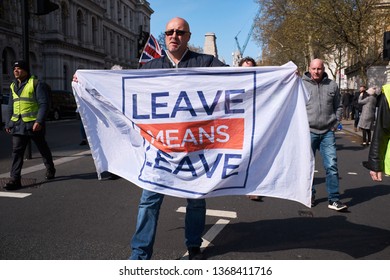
[(190, 59), (380, 137), (355, 101)]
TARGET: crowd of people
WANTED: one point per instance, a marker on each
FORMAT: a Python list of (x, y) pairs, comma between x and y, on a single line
[(28, 108), (361, 108)]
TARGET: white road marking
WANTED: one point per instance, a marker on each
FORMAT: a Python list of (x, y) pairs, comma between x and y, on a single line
[(14, 194), (213, 232), (209, 236), (352, 173), (215, 213), (39, 167)]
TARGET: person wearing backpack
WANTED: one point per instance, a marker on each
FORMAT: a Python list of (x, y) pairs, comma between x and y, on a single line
[(28, 106)]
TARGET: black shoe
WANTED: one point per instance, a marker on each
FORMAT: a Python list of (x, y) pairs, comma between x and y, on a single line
[(194, 253), (254, 197), (313, 200), (113, 177), (50, 173), (13, 184)]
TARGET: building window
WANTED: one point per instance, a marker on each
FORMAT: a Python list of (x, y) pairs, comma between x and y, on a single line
[(111, 44), (66, 79), (94, 31), (105, 43), (64, 18), (118, 44), (8, 58), (132, 49), (125, 17), (119, 13), (80, 22), (5, 65), (131, 16)]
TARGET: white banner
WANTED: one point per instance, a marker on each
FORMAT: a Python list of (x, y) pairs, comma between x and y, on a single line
[(201, 132)]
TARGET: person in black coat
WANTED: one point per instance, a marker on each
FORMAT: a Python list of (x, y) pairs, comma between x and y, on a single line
[(379, 155), (347, 102)]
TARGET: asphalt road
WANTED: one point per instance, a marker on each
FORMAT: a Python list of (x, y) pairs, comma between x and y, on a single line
[(76, 216)]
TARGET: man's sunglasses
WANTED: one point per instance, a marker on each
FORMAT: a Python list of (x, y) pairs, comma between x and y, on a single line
[(178, 32)]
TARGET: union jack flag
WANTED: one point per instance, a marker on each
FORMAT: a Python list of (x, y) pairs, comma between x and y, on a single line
[(151, 50)]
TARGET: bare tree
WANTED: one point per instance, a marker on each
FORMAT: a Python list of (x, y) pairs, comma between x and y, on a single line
[(300, 30)]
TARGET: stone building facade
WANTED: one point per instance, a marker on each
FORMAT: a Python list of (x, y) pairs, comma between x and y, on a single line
[(89, 34)]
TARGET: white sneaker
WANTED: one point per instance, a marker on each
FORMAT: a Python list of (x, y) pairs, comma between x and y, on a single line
[(337, 205)]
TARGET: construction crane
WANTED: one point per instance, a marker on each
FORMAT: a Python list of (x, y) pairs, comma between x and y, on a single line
[(238, 55)]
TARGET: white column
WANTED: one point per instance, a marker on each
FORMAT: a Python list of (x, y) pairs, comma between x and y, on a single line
[(210, 45), (388, 73)]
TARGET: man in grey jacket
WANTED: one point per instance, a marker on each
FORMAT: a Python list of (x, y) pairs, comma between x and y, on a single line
[(324, 111)]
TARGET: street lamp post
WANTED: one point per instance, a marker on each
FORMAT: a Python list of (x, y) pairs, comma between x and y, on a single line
[(26, 57), (43, 7), (25, 18)]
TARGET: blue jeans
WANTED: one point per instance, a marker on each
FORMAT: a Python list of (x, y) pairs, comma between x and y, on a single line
[(326, 144), (148, 212)]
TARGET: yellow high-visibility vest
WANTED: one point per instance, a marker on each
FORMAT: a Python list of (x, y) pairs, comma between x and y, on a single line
[(386, 92), (25, 105)]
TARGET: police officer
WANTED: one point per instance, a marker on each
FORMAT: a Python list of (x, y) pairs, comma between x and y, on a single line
[(28, 107)]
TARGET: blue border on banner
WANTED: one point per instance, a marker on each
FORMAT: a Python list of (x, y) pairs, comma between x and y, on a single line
[(241, 73)]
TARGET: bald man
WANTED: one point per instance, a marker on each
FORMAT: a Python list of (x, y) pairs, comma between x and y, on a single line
[(177, 36), (324, 111)]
